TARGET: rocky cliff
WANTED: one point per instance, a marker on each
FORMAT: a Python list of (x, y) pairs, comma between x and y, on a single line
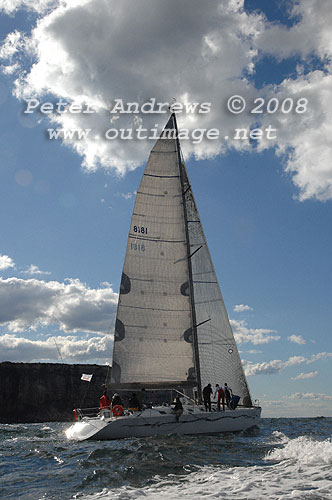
[(47, 392)]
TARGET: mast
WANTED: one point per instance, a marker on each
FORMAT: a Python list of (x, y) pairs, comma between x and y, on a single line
[(191, 287)]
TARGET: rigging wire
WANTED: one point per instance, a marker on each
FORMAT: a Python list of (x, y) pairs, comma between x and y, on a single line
[(58, 349)]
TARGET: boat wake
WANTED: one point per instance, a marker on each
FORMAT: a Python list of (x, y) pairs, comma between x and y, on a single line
[(298, 468)]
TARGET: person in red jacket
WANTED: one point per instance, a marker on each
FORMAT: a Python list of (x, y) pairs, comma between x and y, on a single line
[(104, 402), (221, 396)]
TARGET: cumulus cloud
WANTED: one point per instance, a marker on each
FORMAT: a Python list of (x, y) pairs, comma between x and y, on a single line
[(307, 149), (13, 43), (241, 308), (276, 365), (10, 7), (295, 360), (310, 35), (256, 336), (33, 270), (129, 195), (112, 52), (104, 51), (302, 375), (72, 349), (320, 355), (6, 262), (310, 395), (297, 339), (265, 368), (195, 51), (298, 405), (71, 305), (304, 143)]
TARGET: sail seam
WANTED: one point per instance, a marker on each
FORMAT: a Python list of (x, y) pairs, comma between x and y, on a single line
[(157, 218), (207, 301), (155, 239), (156, 327), (206, 282), (163, 176), (169, 281), (136, 326), (216, 342), (151, 194), (154, 308)]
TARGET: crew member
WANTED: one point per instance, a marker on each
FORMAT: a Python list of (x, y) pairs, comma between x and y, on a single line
[(228, 395), (117, 405), (178, 408), (104, 401), (116, 400), (221, 397), (207, 391), (134, 404)]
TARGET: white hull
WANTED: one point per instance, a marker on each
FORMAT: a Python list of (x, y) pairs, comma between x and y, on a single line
[(161, 421)]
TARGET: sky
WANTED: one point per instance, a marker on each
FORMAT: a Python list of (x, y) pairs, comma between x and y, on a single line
[(264, 199)]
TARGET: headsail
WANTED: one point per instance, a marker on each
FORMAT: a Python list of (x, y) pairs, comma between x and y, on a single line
[(154, 309), (218, 354)]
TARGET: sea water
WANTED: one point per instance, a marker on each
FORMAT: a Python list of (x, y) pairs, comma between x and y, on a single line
[(282, 459)]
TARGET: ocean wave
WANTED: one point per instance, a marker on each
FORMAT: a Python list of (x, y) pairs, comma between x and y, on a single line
[(304, 450), (298, 469), (232, 484)]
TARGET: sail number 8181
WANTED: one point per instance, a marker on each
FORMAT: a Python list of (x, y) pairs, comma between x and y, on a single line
[(140, 229)]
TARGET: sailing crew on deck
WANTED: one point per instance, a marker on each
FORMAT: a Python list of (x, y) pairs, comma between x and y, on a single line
[(207, 391), (178, 408), (228, 394), (134, 404), (116, 400), (141, 398), (104, 401)]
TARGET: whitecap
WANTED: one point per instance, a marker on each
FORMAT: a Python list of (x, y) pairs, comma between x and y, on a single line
[(305, 451)]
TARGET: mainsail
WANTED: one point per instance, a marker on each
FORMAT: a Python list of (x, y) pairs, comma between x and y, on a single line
[(154, 308), (172, 327)]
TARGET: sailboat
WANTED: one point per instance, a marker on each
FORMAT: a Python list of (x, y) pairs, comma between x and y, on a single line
[(172, 330)]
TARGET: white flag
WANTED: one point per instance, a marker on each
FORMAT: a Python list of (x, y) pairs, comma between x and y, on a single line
[(86, 377)]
